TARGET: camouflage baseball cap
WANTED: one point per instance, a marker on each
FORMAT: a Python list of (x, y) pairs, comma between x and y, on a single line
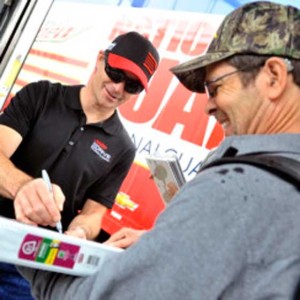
[(261, 27)]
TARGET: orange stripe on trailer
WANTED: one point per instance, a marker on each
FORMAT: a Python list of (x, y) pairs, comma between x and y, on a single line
[(50, 74), (61, 58)]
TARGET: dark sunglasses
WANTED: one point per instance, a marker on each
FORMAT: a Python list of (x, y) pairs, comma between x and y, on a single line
[(116, 75)]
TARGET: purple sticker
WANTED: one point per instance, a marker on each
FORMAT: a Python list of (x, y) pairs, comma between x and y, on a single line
[(48, 251)]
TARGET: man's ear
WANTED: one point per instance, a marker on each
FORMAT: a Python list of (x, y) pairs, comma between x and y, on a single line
[(277, 72), (100, 56)]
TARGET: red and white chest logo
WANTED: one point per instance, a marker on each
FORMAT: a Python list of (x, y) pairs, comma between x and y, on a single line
[(100, 149)]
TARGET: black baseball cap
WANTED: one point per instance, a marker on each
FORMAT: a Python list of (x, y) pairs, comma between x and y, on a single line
[(134, 53)]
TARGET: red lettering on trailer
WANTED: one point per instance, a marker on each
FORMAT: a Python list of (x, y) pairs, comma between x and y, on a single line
[(165, 119)]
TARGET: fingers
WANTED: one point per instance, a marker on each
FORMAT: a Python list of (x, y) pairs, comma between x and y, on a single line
[(125, 237), (122, 243), (35, 204), (121, 234), (26, 209), (59, 197), (171, 188), (21, 215), (45, 203)]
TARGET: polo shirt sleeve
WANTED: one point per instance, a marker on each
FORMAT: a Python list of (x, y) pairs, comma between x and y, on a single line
[(22, 112), (105, 190)]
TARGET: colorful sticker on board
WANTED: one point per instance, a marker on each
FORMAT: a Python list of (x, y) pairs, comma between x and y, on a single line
[(48, 251)]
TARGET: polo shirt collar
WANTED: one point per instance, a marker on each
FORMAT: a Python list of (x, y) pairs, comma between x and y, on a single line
[(112, 125), (72, 99)]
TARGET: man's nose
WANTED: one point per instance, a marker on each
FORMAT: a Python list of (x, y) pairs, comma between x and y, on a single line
[(210, 106), (119, 87)]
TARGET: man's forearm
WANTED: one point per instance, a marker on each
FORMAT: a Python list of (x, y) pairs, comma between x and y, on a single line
[(11, 178), (89, 224)]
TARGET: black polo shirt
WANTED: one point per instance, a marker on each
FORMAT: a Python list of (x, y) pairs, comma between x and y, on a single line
[(86, 161)]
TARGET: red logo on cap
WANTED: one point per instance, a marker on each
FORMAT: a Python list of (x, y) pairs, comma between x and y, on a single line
[(150, 63)]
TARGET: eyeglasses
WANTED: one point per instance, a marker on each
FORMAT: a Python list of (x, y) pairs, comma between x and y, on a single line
[(116, 75), (211, 89)]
